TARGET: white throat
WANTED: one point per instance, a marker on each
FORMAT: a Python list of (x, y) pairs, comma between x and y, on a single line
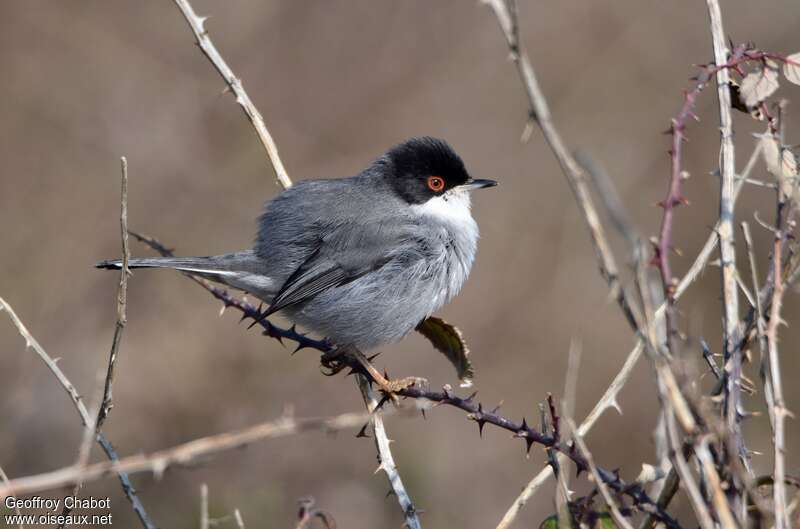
[(453, 207)]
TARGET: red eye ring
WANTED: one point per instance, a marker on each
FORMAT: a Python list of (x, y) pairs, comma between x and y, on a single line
[(435, 183)]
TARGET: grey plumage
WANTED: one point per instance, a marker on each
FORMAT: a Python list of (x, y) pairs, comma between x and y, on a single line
[(352, 259)]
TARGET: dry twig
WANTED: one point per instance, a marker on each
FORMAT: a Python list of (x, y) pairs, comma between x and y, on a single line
[(196, 23), (190, 452)]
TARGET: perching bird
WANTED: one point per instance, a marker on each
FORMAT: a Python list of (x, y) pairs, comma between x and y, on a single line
[(359, 260)]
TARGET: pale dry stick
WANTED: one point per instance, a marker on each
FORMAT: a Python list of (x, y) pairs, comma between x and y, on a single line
[(760, 324), (122, 300), (238, 517), (568, 403), (4, 479), (718, 496), (182, 454), (779, 407), (203, 506), (684, 472), (385, 454), (609, 398), (77, 400), (235, 84), (619, 519), (726, 232)]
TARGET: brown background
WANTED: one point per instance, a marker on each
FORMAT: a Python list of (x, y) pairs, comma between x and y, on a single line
[(339, 82)]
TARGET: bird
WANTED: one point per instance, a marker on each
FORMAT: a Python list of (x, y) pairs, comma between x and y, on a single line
[(360, 260)]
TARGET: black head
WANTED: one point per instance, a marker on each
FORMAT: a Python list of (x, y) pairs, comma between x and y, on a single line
[(422, 168)]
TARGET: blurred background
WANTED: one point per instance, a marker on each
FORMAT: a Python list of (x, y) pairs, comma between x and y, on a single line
[(338, 83)]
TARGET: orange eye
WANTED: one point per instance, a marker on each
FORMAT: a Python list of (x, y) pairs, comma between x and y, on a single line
[(435, 183)]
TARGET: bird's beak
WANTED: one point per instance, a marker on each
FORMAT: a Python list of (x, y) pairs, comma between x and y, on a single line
[(477, 184)]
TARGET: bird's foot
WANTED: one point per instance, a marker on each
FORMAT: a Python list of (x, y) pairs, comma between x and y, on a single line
[(392, 388), (333, 361)]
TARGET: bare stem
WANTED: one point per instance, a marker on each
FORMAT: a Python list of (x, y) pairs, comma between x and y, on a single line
[(196, 23), (385, 454), (778, 411), (122, 303), (158, 462), (726, 232)]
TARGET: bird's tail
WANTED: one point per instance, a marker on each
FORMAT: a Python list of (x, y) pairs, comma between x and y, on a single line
[(216, 265), (242, 270)]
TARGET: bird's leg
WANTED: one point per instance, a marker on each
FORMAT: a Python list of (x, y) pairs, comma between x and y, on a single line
[(347, 356)]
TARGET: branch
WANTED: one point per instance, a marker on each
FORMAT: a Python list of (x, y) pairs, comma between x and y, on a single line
[(385, 454), (75, 397), (730, 331), (158, 462), (778, 409), (122, 301), (235, 84)]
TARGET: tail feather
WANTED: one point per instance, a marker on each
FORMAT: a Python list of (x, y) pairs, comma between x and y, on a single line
[(241, 270), (198, 265)]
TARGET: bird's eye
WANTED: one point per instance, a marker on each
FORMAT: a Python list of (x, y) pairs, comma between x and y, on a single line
[(435, 183)]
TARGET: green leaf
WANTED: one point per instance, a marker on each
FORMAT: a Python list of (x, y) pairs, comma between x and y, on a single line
[(551, 522), (448, 340)]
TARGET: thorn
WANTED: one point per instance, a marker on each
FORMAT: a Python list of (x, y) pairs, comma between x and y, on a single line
[(222, 310), (389, 493), (496, 408), (299, 346), (380, 467), (201, 22), (373, 357), (529, 444), (481, 423), (363, 432), (524, 426), (472, 396), (614, 404), (244, 317), (384, 400), (425, 417)]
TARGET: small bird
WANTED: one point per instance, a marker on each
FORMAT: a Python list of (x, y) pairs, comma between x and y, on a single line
[(360, 260)]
